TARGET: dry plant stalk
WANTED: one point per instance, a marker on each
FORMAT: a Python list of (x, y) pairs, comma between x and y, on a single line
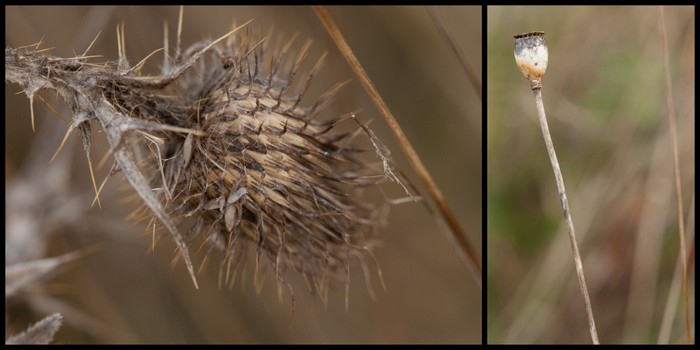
[(677, 173), (457, 49), (531, 56), (463, 244), (221, 141)]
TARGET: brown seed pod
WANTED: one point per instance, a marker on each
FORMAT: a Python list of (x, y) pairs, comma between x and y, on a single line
[(268, 172), (531, 54), (238, 157)]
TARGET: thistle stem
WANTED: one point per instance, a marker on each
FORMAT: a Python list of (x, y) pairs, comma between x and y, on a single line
[(536, 86)]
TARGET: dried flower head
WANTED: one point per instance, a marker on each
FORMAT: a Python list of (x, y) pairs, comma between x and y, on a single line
[(531, 54), (220, 141), (267, 172)]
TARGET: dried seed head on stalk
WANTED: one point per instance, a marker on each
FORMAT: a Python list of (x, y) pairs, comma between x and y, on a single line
[(234, 154), (531, 56)]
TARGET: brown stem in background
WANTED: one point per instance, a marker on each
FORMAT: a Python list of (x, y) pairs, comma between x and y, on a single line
[(465, 246), (456, 48), (677, 171), (675, 290)]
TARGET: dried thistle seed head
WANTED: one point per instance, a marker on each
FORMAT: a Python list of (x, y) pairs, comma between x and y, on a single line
[(266, 172), (531, 54), (222, 141)]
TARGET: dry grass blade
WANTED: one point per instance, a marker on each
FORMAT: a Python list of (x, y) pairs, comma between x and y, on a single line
[(465, 246), (677, 170), (674, 293), (459, 52)]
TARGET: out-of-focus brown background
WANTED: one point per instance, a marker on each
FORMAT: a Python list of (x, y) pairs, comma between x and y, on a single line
[(121, 293), (605, 97)]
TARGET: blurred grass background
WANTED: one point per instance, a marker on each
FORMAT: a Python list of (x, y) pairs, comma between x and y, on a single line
[(124, 294), (605, 97)]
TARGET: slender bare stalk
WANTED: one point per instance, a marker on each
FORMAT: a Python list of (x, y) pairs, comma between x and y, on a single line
[(677, 171), (454, 45), (675, 290), (465, 247), (537, 89), (532, 56)]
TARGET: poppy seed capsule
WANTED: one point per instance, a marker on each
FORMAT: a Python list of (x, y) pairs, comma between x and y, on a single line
[(531, 54), (268, 174)]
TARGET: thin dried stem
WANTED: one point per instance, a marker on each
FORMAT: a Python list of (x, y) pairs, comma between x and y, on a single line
[(675, 290), (677, 171), (537, 89), (465, 246), (457, 49), (91, 43)]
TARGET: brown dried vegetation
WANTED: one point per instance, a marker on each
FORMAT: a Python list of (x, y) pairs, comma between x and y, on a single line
[(230, 146)]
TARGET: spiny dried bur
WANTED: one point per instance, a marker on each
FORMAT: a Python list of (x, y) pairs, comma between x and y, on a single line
[(235, 156), (268, 173)]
